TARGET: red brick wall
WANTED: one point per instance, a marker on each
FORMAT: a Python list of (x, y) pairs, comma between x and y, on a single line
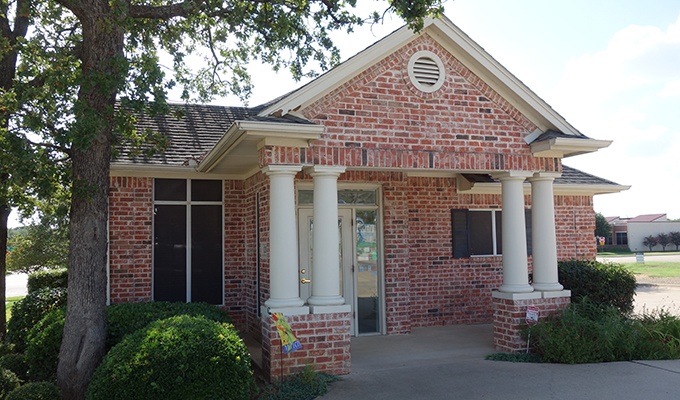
[(325, 343), (510, 315), (130, 241), (575, 227)]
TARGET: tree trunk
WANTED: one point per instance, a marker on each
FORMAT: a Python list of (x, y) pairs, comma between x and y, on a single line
[(103, 70), (4, 216)]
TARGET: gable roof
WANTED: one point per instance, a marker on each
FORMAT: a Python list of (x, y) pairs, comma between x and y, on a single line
[(554, 132), (648, 218)]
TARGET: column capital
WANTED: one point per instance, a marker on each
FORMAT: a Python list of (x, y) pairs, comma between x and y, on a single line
[(281, 169), (547, 176), (511, 175), (325, 170)]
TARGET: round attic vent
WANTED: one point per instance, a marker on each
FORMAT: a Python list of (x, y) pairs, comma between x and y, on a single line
[(426, 71)]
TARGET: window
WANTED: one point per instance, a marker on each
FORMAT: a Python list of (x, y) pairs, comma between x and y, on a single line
[(478, 232), (188, 241), (622, 238)]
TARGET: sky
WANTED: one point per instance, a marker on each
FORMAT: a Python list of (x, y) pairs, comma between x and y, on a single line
[(611, 68)]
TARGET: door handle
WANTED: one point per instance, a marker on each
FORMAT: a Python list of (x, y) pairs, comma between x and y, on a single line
[(303, 280)]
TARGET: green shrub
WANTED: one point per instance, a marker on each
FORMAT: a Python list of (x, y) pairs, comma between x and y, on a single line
[(29, 310), (35, 391), (44, 341), (15, 363), (607, 284), (48, 278), (181, 357), (587, 332), (307, 384), (8, 382), (126, 318), (6, 348)]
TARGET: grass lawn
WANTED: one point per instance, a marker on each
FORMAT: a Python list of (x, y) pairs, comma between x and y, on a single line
[(9, 302), (658, 269)]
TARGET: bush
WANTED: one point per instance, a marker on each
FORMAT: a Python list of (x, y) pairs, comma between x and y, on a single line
[(44, 341), (8, 382), (35, 391), (49, 278), (607, 284), (15, 363), (181, 357), (586, 332), (307, 384), (29, 311), (126, 318)]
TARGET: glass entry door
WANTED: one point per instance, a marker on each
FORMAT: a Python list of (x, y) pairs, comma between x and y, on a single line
[(359, 265)]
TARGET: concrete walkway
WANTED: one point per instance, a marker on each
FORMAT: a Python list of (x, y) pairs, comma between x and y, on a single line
[(448, 363)]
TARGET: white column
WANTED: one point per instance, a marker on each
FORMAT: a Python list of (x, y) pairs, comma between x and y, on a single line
[(326, 239), (544, 242), (284, 284), (515, 263)]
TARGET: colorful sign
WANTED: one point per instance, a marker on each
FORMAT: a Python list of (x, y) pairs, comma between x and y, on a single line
[(289, 342)]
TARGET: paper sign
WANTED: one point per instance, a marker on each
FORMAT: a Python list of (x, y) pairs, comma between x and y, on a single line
[(289, 342), (532, 315)]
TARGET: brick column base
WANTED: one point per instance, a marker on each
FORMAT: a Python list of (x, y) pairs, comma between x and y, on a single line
[(325, 340), (510, 314)]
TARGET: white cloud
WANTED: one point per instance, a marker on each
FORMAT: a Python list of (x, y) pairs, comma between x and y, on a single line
[(622, 93)]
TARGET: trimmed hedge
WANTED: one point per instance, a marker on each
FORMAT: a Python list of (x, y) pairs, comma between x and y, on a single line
[(607, 284), (15, 363), (182, 357), (44, 341), (8, 382), (49, 278), (126, 318), (35, 391), (28, 311)]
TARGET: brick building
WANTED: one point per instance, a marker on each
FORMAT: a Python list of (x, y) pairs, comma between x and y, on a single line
[(419, 183)]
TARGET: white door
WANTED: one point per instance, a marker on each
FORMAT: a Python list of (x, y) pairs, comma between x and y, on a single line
[(345, 249)]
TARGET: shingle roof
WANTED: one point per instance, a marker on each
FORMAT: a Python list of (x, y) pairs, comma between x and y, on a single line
[(192, 130)]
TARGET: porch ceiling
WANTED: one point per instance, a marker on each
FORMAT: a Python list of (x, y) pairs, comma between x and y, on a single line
[(236, 153)]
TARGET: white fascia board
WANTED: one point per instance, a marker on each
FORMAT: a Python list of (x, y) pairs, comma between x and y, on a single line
[(501, 80), (558, 189), (342, 73), (241, 130), (566, 147)]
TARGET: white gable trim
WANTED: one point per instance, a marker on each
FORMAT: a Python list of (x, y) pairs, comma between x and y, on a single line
[(469, 53)]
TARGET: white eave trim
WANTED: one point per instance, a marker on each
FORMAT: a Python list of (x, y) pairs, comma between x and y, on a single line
[(561, 147), (558, 189), (271, 133)]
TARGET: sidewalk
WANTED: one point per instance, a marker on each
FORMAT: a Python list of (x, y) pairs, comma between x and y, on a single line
[(448, 363)]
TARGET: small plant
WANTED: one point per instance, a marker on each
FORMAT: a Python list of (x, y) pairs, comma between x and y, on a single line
[(29, 311), (181, 357), (607, 284), (306, 384), (35, 391), (49, 278), (8, 382)]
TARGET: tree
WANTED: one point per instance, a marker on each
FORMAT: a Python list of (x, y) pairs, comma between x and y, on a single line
[(663, 239), (602, 227), (29, 168), (38, 246), (675, 239), (650, 241), (118, 59)]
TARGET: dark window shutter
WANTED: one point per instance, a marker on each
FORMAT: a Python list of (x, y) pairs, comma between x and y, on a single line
[(527, 219), (460, 233)]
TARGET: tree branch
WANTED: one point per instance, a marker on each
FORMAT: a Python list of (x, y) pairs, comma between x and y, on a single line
[(182, 9)]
